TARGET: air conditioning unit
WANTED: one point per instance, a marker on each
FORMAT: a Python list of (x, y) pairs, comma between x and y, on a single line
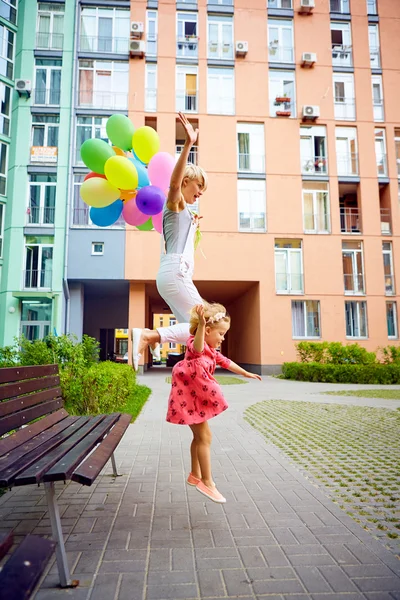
[(137, 28), (23, 86), (310, 113), (241, 48), (306, 6), (137, 48), (308, 59)]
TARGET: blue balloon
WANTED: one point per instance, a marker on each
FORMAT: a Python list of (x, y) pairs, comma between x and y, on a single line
[(142, 172), (103, 217), (137, 158)]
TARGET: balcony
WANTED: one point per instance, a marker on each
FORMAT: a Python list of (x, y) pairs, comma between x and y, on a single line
[(353, 284), (386, 221), (81, 218), (280, 54), (186, 101), (193, 154), (49, 41), (381, 165), (150, 101), (289, 283), (251, 163), (347, 165), (40, 215), (106, 100), (104, 44), (46, 97), (187, 47), (314, 165), (220, 50), (340, 6), (345, 109), (342, 56), (350, 220), (375, 58), (282, 106), (37, 279), (44, 154)]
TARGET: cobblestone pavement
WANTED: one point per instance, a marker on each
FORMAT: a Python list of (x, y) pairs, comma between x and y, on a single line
[(148, 536)]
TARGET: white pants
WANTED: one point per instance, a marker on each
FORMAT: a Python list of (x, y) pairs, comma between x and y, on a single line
[(175, 286)]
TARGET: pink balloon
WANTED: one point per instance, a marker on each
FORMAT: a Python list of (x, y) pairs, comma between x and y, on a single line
[(160, 169), (157, 221), (132, 214)]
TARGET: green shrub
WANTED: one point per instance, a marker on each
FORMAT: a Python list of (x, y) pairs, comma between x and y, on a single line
[(373, 373), (335, 353), (390, 354)]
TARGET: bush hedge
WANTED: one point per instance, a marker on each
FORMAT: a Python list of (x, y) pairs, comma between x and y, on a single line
[(375, 373)]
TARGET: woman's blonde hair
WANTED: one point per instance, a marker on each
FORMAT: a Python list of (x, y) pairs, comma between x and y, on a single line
[(214, 314), (194, 172)]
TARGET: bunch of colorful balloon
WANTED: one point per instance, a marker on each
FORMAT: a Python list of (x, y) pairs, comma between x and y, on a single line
[(128, 178)]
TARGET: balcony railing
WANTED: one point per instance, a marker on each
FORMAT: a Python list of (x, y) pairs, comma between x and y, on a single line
[(81, 218), (40, 215), (252, 221), (386, 221), (37, 278), (316, 222), (193, 154), (187, 47), (150, 101), (282, 106), (280, 4), (350, 221), (278, 53), (186, 102), (46, 97), (289, 283), (375, 58), (49, 41), (220, 50), (340, 6), (104, 44), (251, 163), (103, 99), (381, 165), (342, 56), (353, 283), (371, 7), (347, 164), (345, 109), (314, 165)]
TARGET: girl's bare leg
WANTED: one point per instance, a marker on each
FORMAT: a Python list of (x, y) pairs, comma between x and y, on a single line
[(196, 471), (201, 447)]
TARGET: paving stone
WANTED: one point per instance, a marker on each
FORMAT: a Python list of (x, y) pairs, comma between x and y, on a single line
[(280, 586), (171, 577), (303, 549), (363, 555), (354, 571), (335, 596), (312, 580), (131, 587), (311, 560), (266, 573), (171, 592), (182, 559), (87, 562), (252, 557), (337, 579), (274, 557), (105, 586), (237, 582), (211, 583), (378, 584)]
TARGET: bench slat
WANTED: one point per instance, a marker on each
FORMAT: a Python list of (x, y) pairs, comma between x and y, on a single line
[(23, 417), (10, 374), (34, 473), (12, 390), (23, 570), (27, 433), (13, 468), (6, 541), (87, 472), (65, 467), (13, 406)]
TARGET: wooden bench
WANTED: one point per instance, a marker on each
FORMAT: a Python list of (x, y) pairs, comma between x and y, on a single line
[(56, 447)]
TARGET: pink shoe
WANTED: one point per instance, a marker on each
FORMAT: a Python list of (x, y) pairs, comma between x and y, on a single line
[(211, 493), (192, 480)]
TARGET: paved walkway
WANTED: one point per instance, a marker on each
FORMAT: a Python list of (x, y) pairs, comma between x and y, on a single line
[(148, 536)]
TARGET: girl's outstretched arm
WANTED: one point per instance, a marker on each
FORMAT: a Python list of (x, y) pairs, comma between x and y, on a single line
[(198, 342), (174, 194), (239, 371)]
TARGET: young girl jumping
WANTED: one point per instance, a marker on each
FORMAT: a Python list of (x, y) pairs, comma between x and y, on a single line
[(196, 396)]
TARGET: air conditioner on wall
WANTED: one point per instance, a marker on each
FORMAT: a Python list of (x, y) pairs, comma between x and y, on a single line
[(137, 28), (306, 6), (23, 86), (308, 58), (137, 48), (241, 48), (310, 113)]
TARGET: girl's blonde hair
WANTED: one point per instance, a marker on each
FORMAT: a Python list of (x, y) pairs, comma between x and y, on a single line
[(214, 314), (197, 173)]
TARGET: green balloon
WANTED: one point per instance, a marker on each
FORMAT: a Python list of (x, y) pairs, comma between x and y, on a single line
[(148, 226), (120, 130), (95, 153)]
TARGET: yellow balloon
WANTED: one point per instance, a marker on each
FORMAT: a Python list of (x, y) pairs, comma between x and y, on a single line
[(98, 192), (145, 143), (121, 172)]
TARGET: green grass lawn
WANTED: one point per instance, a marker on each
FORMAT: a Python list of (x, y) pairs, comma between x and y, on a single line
[(222, 380), (389, 394)]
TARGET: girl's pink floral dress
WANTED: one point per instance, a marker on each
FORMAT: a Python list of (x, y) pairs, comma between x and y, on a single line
[(195, 395)]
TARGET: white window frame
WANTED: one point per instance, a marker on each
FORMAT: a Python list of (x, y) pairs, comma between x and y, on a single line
[(5, 119), (3, 176), (358, 290), (41, 247), (345, 107), (43, 327), (282, 83), (151, 23), (94, 251), (347, 164), (378, 106), (286, 254), (172, 321), (218, 104), (342, 54), (278, 52), (306, 304), (316, 217), (280, 4), (186, 47), (48, 89), (53, 10), (254, 160), (42, 185), (150, 102), (372, 4), (186, 102), (45, 126), (9, 62), (249, 196), (2, 218), (311, 163), (387, 250), (108, 98), (374, 46), (118, 45), (394, 308), (380, 152), (397, 149), (220, 49), (356, 304)]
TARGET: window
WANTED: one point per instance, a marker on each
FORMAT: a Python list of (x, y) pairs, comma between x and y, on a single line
[(371, 7), (87, 128), (2, 211), (220, 37), (346, 151), (44, 138), (380, 150), (316, 218), (42, 199), (288, 266), (305, 319), (280, 41), (391, 319), (282, 101), (341, 45), (356, 319), (104, 30), (6, 52), (150, 103), (220, 91), (343, 92), (7, 11), (50, 26), (251, 205), (151, 33), (38, 262), (251, 147), (340, 6), (397, 148), (374, 51), (172, 321), (313, 150), (388, 268), (186, 89), (186, 35), (47, 81), (3, 168), (377, 97), (280, 4), (103, 84), (5, 108), (172, 346), (36, 318), (353, 267), (97, 248)]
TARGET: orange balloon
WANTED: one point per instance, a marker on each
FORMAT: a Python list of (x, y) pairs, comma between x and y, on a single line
[(127, 194), (118, 151)]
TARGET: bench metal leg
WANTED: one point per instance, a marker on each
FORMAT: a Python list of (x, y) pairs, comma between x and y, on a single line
[(114, 465), (54, 513)]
